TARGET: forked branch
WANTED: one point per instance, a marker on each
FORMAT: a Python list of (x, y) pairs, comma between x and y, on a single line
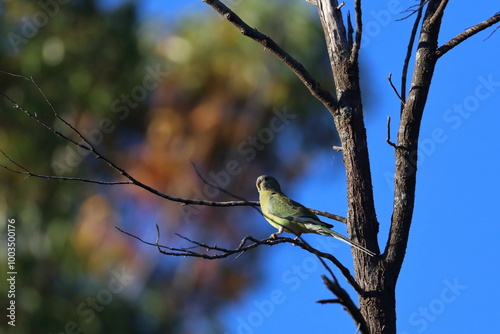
[(202, 250)]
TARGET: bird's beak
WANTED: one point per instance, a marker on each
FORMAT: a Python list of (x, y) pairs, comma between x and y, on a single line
[(257, 184)]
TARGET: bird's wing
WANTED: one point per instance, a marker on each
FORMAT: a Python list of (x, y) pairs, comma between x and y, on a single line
[(283, 207)]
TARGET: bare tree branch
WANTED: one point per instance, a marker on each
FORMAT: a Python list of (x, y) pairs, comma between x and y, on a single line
[(328, 301), (90, 148), (427, 55), (343, 297), (409, 51), (337, 39), (246, 244), (41, 122), (359, 31), (406, 158), (388, 139), (215, 186), (350, 29), (220, 251), (345, 300), (314, 87), (437, 13), (466, 34), (50, 177), (347, 274), (413, 9), (389, 78)]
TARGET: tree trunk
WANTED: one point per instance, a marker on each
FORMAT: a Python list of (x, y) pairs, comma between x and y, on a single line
[(377, 276)]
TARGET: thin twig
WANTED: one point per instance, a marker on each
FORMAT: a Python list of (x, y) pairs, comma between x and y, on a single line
[(491, 34), (157, 238), (394, 89), (41, 122), (62, 178), (328, 301), (215, 186), (413, 9), (388, 139)]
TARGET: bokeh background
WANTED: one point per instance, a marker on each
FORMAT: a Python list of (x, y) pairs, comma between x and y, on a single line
[(157, 85)]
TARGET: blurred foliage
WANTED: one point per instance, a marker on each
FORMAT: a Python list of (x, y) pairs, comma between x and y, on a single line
[(153, 101)]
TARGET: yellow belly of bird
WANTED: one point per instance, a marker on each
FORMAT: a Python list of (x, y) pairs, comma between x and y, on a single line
[(288, 226)]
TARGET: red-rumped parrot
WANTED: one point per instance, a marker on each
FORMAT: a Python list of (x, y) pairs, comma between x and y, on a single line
[(289, 216)]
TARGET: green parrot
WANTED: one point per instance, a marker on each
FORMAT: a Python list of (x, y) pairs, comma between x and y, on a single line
[(289, 216)]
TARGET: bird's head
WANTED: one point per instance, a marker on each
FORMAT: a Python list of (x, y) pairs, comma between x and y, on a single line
[(266, 182)]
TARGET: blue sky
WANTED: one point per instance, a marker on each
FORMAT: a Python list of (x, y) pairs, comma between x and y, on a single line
[(449, 280)]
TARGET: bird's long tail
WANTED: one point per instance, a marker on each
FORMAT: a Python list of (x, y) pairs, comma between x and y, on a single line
[(351, 243)]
